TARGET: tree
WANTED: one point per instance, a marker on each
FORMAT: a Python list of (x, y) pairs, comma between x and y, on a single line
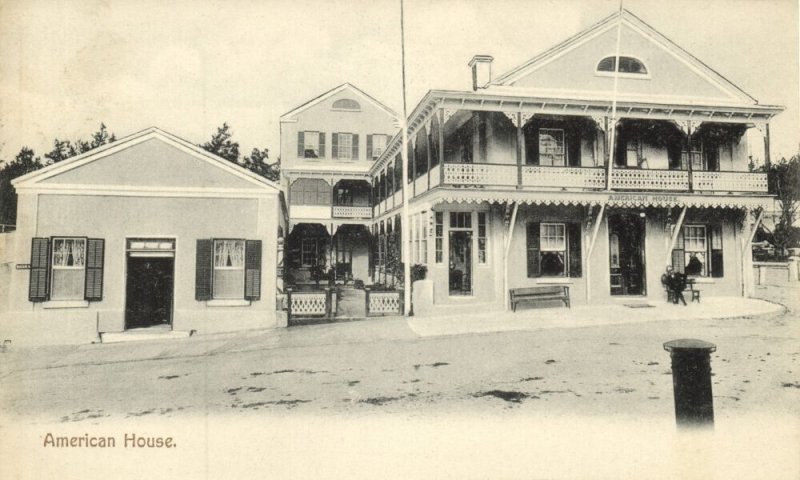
[(783, 179), (64, 149), (222, 145), (23, 163), (257, 163)]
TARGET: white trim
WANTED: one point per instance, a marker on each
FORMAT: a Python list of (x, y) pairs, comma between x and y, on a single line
[(232, 302), (640, 27), (555, 280), (126, 191), (332, 92), (702, 280), (55, 304), (38, 176)]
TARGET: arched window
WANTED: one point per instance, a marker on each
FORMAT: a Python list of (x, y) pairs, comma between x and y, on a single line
[(626, 65), (310, 191), (346, 104)]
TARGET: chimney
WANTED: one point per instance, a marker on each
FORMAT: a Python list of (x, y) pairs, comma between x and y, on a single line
[(481, 66)]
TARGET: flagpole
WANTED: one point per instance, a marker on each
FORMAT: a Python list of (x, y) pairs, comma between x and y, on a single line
[(613, 126), (405, 224)]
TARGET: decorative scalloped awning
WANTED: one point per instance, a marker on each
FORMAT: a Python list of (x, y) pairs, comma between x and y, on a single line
[(612, 199)]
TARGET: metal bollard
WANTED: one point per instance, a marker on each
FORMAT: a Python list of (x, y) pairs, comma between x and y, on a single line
[(691, 381)]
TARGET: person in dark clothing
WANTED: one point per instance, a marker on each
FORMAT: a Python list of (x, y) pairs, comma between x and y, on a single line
[(675, 283)]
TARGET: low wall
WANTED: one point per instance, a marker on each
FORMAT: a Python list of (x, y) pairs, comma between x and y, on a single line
[(775, 273)]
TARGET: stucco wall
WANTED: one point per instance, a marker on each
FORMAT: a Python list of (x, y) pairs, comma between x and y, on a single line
[(667, 75), (115, 218), (322, 118)]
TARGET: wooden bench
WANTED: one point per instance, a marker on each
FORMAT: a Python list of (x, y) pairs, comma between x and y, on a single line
[(690, 287), (537, 294)]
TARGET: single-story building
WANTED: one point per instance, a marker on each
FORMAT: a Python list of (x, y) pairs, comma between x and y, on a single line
[(148, 232)]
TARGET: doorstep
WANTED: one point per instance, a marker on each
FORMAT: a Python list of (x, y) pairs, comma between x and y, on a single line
[(143, 334)]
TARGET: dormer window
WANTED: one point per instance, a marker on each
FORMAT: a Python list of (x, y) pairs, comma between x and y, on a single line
[(346, 104), (626, 65)]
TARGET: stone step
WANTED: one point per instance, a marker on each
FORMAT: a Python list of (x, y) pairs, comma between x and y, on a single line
[(143, 334)]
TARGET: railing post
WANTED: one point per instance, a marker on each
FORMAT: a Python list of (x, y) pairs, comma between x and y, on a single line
[(328, 303), (401, 301), (288, 304), (366, 301)]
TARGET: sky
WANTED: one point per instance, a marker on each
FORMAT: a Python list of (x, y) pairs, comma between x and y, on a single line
[(188, 66)]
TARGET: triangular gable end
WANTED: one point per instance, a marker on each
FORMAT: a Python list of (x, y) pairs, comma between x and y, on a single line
[(151, 159), (330, 93), (674, 75)]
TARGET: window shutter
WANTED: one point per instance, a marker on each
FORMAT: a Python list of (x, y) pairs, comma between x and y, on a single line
[(334, 145), (717, 269), (677, 260), (355, 146), (39, 286), (369, 147), (301, 144), (321, 145), (204, 271), (574, 245), (252, 270), (533, 249), (95, 252)]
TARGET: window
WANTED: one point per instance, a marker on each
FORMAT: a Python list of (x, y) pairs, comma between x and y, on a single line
[(345, 146), (460, 219), (420, 240), (68, 268), (554, 249), (346, 104), (695, 249), (439, 237), (626, 65), (228, 268), (308, 252), (376, 145), (696, 153), (551, 146), (310, 144), (481, 237), (699, 251)]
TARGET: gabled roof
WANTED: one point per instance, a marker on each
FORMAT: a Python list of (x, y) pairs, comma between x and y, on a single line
[(631, 20), (345, 86), (33, 178)]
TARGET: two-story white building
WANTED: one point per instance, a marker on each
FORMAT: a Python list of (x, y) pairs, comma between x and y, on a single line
[(328, 146), (511, 186)]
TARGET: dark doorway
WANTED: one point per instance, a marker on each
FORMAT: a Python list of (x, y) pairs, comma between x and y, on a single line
[(149, 291), (626, 254), (460, 262)]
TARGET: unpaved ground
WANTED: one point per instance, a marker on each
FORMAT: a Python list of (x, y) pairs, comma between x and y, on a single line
[(598, 371)]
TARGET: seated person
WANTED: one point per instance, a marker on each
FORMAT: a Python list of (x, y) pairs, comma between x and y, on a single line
[(675, 283)]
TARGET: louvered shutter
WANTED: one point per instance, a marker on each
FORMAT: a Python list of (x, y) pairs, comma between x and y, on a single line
[(301, 145), (717, 269), (321, 144), (532, 146), (574, 245), (355, 146), (95, 252), (334, 145), (39, 286), (369, 147), (677, 260), (204, 270), (532, 243), (252, 270)]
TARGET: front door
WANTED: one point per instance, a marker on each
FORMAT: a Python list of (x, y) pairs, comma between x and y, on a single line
[(626, 254), (149, 283), (460, 262)]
